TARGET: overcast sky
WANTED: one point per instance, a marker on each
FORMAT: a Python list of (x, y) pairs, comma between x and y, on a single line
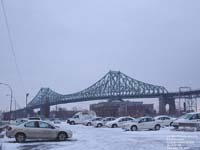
[(68, 45)]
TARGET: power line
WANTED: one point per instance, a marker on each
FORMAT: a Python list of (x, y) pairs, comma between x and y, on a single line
[(11, 44)]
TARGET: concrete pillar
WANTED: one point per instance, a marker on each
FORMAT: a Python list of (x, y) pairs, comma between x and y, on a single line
[(163, 101), (45, 110), (162, 104), (172, 106)]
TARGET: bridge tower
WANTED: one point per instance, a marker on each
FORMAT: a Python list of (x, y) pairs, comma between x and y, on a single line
[(45, 109), (163, 101)]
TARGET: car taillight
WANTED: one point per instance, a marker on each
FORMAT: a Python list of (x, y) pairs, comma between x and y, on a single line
[(9, 128)]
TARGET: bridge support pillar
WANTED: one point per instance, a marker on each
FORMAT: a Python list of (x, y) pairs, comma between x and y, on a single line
[(45, 110), (163, 101)]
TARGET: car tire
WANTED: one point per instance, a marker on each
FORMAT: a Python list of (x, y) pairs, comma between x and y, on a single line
[(62, 136), (176, 127), (20, 137), (170, 124), (72, 123), (157, 127), (89, 124), (133, 128), (114, 126), (99, 125)]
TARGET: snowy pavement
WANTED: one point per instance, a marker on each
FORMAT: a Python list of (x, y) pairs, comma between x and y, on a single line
[(90, 138)]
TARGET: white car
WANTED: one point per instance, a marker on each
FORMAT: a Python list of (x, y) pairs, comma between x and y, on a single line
[(188, 120), (165, 120), (143, 123), (119, 122), (36, 129), (90, 121), (101, 123)]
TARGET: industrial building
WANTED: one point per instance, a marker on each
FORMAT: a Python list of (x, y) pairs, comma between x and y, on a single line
[(122, 108)]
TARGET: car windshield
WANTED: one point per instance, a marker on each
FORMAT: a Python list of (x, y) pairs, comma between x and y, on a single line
[(187, 116), (138, 119), (18, 122), (97, 119)]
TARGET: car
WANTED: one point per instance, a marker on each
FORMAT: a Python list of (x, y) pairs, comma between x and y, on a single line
[(188, 120), (37, 129), (101, 123), (165, 120), (119, 122), (81, 117), (143, 123), (90, 121)]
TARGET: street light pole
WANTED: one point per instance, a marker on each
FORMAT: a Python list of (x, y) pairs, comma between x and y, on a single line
[(27, 94), (11, 97)]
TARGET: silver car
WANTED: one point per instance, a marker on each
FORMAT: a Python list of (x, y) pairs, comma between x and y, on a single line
[(36, 129)]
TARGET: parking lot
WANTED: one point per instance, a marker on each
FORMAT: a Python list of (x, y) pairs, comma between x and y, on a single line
[(90, 138)]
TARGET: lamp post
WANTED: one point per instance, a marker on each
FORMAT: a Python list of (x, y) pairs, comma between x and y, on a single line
[(27, 94), (15, 105), (11, 97)]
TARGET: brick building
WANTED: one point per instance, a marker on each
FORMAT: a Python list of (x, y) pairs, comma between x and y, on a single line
[(122, 108)]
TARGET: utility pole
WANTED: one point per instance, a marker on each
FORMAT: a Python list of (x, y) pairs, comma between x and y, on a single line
[(11, 97), (27, 94)]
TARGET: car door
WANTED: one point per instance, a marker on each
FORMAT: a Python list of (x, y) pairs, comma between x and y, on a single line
[(31, 129), (166, 121), (47, 131), (142, 123), (194, 118), (121, 121), (150, 123)]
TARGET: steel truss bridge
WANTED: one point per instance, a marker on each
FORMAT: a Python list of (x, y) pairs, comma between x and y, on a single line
[(114, 85)]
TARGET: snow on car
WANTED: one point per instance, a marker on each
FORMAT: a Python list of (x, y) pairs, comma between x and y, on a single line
[(90, 121), (119, 122), (143, 123), (165, 120), (100, 123), (36, 129), (188, 120)]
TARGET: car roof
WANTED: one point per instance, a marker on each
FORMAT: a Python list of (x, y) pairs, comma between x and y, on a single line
[(124, 117), (193, 113), (145, 117), (109, 117), (161, 116)]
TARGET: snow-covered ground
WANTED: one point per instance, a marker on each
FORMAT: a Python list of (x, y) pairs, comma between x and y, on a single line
[(90, 138)]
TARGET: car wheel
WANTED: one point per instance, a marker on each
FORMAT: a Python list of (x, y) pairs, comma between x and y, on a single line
[(114, 126), (89, 124), (62, 136), (72, 123), (99, 125), (134, 128), (176, 127), (157, 127), (20, 137)]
